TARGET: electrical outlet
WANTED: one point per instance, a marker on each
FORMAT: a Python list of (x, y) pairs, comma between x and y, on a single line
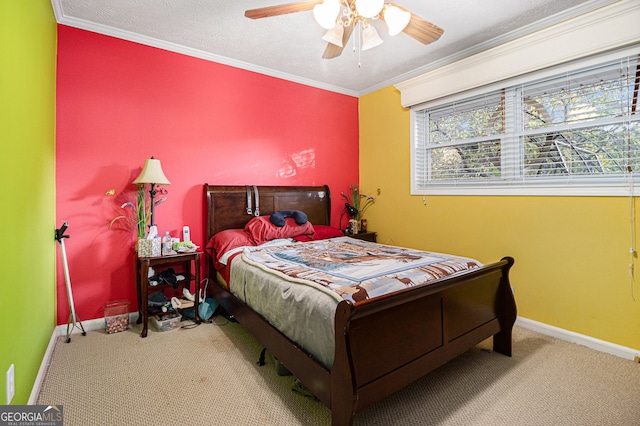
[(11, 384)]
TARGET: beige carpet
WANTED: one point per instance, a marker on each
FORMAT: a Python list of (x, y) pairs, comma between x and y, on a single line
[(208, 375)]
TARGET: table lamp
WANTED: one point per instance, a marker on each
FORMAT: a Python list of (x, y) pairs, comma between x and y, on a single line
[(152, 174)]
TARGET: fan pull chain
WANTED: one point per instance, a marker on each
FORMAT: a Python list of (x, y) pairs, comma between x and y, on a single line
[(359, 44)]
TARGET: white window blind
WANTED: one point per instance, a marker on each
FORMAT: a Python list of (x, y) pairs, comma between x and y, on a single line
[(579, 131)]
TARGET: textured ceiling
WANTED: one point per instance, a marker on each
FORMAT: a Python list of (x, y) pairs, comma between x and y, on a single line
[(290, 46)]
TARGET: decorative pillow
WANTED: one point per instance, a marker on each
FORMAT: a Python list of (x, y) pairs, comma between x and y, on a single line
[(278, 217), (261, 230), (322, 232), (228, 239)]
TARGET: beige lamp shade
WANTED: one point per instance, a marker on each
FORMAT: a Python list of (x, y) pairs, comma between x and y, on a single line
[(152, 173)]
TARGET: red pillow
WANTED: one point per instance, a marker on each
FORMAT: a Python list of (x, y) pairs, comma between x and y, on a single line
[(322, 232), (228, 239), (261, 230)]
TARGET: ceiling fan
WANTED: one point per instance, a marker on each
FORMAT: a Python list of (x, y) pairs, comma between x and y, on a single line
[(340, 17)]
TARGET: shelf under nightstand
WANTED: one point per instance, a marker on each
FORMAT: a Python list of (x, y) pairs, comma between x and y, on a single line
[(189, 261)]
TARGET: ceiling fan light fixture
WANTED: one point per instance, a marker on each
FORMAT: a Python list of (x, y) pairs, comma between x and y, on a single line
[(369, 8), (334, 35), (396, 19), (370, 38), (326, 13)]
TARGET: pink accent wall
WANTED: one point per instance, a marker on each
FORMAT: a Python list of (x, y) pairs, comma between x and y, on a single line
[(119, 103)]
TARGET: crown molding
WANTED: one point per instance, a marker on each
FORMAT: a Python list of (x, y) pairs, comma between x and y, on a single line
[(497, 41), (63, 19), (82, 24), (608, 28)]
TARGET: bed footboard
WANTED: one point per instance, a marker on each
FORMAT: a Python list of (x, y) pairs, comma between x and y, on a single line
[(384, 344)]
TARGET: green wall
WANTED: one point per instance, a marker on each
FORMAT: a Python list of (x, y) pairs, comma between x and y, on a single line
[(572, 253), (27, 148)]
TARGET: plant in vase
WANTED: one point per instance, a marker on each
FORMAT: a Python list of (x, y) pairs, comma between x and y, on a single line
[(356, 204), (138, 213)]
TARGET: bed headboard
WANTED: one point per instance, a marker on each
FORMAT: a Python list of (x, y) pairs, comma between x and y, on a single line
[(226, 206)]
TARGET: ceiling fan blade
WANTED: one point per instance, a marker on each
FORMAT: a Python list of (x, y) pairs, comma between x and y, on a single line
[(282, 9), (423, 31), (332, 50)]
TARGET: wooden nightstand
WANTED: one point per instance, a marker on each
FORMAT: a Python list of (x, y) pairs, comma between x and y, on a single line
[(366, 236), (185, 261)]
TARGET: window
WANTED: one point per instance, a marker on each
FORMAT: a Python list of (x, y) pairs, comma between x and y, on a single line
[(572, 134)]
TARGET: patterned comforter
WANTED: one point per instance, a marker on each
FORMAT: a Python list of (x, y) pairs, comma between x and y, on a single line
[(355, 269)]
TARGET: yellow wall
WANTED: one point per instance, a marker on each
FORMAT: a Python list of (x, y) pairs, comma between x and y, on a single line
[(27, 185), (572, 253)]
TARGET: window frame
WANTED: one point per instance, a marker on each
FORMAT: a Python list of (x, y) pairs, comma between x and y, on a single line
[(511, 145)]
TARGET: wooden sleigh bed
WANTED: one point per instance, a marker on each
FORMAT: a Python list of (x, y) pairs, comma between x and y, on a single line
[(381, 344)]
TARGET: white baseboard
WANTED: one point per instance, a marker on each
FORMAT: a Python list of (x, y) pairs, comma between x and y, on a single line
[(35, 391), (580, 339), (61, 330)]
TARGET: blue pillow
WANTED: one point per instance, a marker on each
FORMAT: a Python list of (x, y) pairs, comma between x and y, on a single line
[(277, 218)]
